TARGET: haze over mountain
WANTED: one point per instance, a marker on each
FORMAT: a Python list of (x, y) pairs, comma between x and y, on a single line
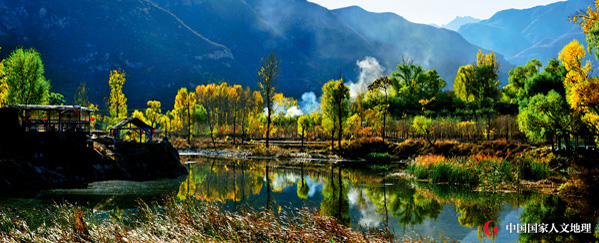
[(431, 47), (167, 44), (539, 32), (456, 23)]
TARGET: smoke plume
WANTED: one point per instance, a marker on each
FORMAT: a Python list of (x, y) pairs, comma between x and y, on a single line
[(370, 70)]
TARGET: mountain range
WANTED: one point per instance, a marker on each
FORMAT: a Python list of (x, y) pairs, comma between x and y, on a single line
[(163, 45), (539, 32), (456, 23)]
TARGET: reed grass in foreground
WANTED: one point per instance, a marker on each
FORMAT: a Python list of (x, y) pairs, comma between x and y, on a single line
[(179, 221)]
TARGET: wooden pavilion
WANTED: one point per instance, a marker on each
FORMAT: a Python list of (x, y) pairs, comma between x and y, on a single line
[(53, 118), (126, 125)]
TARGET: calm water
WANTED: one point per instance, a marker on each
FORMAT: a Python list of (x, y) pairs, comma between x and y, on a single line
[(357, 199)]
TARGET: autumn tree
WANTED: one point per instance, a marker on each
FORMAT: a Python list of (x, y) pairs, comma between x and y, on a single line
[(236, 93), (81, 97), (424, 126), (303, 124), (479, 85), (464, 84), (168, 122), (117, 101), (183, 109), (267, 77), (3, 85), (335, 104), (153, 112), (138, 133), (582, 90), (22, 78), (382, 84)]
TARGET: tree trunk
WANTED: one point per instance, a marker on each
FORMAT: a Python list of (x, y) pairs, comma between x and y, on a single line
[(267, 127), (340, 126), (303, 137)]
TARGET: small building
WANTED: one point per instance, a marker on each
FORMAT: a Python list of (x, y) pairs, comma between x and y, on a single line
[(51, 118), (130, 126)]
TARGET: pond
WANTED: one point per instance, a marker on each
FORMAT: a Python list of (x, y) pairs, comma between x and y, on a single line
[(357, 199)]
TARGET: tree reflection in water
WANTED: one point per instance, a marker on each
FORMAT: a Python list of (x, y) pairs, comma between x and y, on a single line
[(336, 201), (404, 203), (302, 188), (555, 210), (373, 200)]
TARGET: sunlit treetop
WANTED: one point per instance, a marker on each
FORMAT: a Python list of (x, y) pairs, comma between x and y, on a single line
[(587, 19)]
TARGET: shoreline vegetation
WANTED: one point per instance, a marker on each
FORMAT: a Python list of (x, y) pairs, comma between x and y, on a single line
[(188, 221), (495, 166)]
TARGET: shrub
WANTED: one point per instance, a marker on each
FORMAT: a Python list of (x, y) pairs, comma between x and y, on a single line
[(378, 158)]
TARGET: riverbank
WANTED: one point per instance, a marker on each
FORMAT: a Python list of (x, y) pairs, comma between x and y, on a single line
[(506, 167)]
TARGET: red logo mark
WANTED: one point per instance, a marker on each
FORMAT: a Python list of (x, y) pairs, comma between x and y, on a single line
[(486, 228)]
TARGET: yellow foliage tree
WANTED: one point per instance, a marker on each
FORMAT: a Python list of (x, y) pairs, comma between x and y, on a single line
[(118, 101), (582, 91), (3, 85), (153, 112), (184, 106), (138, 135), (268, 73)]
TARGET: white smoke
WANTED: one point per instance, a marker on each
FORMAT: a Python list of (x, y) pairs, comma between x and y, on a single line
[(309, 102), (293, 112), (370, 70)]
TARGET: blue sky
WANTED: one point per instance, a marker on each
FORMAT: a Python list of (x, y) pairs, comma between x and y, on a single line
[(435, 11)]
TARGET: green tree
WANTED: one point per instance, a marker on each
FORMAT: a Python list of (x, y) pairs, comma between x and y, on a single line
[(412, 83), (200, 115), (55, 99), (544, 112), (267, 79), (517, 77), (546, 116), (24, 79), (335, 104), (382, 84), (118, 101)]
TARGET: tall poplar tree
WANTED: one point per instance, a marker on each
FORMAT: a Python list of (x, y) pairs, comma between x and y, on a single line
[(267, 79), (335, 104), (118, 101)]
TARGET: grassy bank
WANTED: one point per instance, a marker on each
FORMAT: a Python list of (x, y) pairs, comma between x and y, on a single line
[(485, 171), (180, 221)]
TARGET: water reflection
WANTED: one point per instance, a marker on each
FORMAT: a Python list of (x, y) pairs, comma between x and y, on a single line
[(336, 201), (364, 200)]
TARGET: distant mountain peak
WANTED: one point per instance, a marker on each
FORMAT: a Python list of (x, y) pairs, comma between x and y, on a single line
[(456, 23)]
